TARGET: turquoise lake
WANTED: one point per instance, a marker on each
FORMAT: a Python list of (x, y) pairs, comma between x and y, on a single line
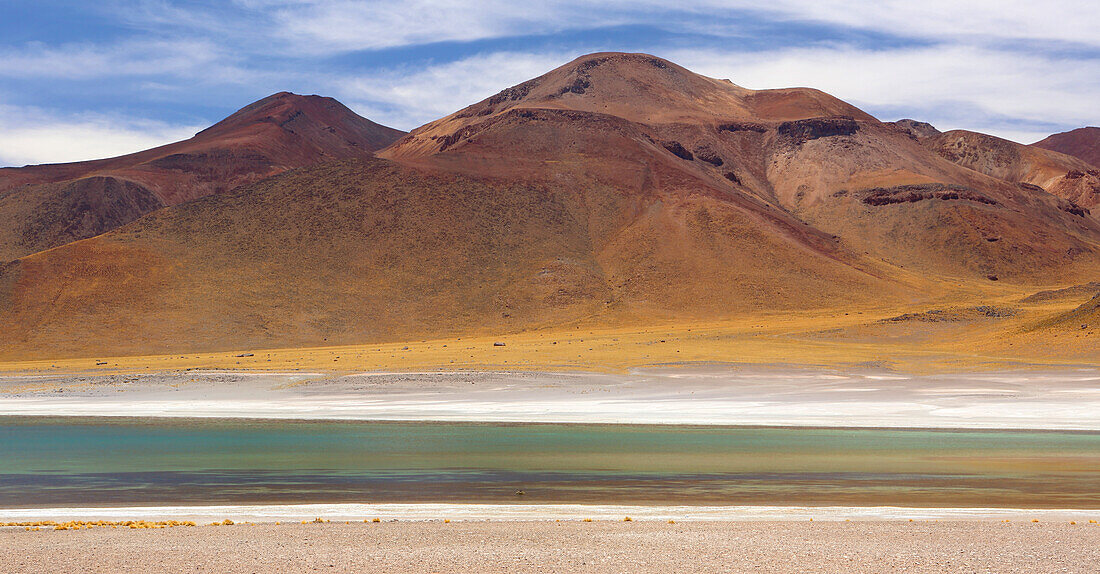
[(47, 462)]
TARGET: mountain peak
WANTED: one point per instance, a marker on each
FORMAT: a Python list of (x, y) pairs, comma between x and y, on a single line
[(280, 132), (638, 88), (281, 107), (319, 122)]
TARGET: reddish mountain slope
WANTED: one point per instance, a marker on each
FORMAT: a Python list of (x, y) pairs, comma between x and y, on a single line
[(798, 155), (1062, 175), (1082, 143), (49, 205), (368, 250)]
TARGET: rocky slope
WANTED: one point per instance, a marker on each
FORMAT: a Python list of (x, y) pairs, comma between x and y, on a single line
[(1062, 175), (49, 205), (796, 156)]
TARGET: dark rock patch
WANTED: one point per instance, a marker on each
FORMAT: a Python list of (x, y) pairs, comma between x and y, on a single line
[(801, 131), (707, 154), (1072, 208), (678, 150), (920, 192), (578, 86), (742, 127)]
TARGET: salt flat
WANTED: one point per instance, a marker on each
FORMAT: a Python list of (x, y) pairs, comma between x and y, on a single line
[(720, 395), (358, 512)]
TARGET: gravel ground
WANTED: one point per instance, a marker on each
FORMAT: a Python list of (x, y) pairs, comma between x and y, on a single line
[(971, 546)]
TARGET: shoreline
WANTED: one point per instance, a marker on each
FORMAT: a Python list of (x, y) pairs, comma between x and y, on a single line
[(118, 417), (1057, 400), (466, 512)]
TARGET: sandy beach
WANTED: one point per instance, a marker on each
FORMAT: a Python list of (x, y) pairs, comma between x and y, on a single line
[(568, 546), (1065, 399)]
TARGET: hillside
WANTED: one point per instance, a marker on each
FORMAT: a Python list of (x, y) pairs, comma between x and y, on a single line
[(368, 250), (1082, 143), (1062, 175), (49, 205), (617, 191), (798, 155)]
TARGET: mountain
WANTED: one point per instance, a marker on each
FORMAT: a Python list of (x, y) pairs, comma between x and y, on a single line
[(1082, 143), (618, 189), (1062, 175), (633, 121), (49, 205)]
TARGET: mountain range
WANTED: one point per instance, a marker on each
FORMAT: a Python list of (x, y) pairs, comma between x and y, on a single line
[(618, 189)]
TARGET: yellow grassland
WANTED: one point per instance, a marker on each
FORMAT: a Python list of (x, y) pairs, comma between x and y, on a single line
[(829, 339)]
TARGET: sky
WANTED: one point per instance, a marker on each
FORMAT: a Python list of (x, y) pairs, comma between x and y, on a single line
[(82, 80)]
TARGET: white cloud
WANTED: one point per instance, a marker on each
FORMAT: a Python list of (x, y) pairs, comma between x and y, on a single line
[(33, 136), (195, 59), (1050, 20), (406, 98), (962, 87), (349, 25)]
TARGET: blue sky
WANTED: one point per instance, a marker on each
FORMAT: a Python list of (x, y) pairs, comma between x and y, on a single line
[(80, 79)]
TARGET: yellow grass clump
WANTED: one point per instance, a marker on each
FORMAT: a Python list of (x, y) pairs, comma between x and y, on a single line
[(88, 524)]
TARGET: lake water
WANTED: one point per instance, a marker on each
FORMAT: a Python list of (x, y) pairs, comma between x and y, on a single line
[(50, 462)]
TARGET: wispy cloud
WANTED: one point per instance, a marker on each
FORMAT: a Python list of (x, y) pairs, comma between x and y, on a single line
[(972, 20), (953, 86), (133, 58), (408, 97), (373, 24), (31, 136)]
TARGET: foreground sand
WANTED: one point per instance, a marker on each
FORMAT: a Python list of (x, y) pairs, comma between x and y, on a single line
[(639, 546)]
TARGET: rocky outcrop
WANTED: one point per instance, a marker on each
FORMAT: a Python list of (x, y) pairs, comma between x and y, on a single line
[(802, 131), (914, 193)]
